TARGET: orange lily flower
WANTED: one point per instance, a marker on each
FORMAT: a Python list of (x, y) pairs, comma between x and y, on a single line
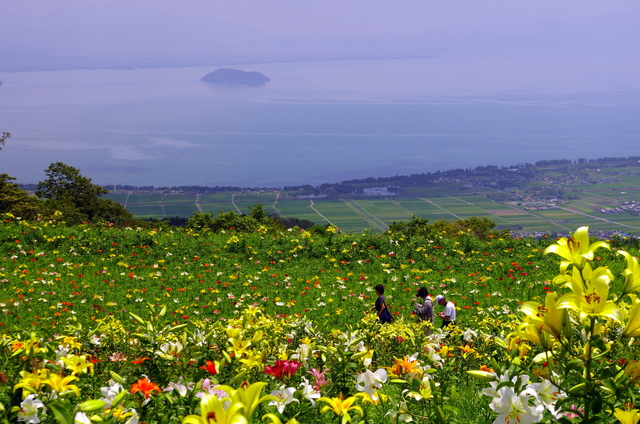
[(145, 386)]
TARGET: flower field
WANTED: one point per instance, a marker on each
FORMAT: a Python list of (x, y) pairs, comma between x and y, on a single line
[(99, 324)]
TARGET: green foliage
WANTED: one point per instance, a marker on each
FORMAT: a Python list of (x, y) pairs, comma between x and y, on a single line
[(64, 183), (481, 228), (584, 336), (162, 301), (415, 226), (67, 192), (15, 201), (256, 220)]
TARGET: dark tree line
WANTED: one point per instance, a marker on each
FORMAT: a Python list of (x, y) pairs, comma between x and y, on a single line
[(64, 195)]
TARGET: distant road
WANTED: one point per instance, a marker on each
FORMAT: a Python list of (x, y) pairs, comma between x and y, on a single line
[(440, 207), (368, 217), (273, 206), (198, 203), (233, 196), (322, 216)]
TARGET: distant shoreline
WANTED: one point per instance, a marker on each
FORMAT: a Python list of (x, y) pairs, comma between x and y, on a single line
[(459, 174), (156, 63)]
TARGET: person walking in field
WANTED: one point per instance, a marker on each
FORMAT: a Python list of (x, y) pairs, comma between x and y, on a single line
[(381, 306), (424, 310), (449, 315)]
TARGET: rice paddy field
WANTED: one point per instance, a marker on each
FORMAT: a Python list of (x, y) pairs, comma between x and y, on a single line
[(438, 201)]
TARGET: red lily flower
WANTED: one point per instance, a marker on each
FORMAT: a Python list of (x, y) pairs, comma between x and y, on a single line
[(211, 367)]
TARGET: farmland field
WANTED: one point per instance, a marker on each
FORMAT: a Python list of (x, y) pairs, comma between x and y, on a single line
[(589, 193), (378, 214)]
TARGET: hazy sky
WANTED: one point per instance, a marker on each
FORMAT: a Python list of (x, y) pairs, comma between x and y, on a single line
[(551, 51), (117, 24), (285, 17)]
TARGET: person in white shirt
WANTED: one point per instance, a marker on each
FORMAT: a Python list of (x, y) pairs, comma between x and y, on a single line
[(449, 314)]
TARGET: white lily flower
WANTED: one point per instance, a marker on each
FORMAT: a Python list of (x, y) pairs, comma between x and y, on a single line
[(493, 391), (134, 418), (303, 353), (29, 409), (369, 382), (284, 396), (433, 357), (61, 352), (308, 392), (514, 408), (170, 348), (81, 418), (179, 387), (469, 334), (547, 394), (110, 392)]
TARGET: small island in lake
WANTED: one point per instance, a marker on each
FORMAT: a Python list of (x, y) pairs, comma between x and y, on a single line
[(228, 76)]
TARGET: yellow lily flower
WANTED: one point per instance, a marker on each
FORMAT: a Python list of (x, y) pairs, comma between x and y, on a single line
[(630, 416), (632, 371), (633, 320), (592, 298), (212, 410), (341, 407), (579, 279), (233, 332), (366, 398), (78, 364), (71, 343), (553, 319), (590, 293), (576, 250), (254, 360), (631, 274), (532, 331), (424, 390), (276, 420), (444, 351), (248, 396), (119, 413), (61, 384), (31, 382), (239, 346)]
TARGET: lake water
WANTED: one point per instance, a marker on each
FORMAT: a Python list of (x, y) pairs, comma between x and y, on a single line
[(319, 122)]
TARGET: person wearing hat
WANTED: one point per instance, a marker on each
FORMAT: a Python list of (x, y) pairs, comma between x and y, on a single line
[(449, 314), (424, 310)]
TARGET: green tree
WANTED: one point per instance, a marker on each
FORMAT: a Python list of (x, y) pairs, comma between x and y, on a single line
[(200, 221), (225, 221), (416, 226), (16, 201), (64, 183), (481, 228), (77, 198)]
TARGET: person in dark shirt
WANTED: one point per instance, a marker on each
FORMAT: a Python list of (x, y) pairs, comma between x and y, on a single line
[(381, 306)]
